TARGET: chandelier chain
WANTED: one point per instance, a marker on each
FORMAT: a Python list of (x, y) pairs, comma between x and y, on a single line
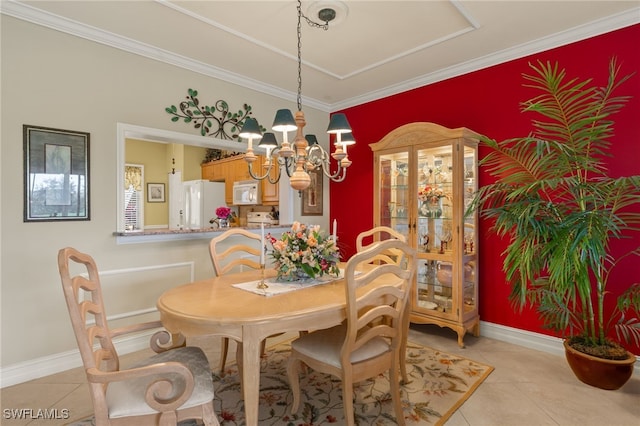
[(299, 97), (314, 24)]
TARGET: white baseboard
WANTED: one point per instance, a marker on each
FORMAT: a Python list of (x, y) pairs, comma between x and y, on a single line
[(45, 366), (529, 339)]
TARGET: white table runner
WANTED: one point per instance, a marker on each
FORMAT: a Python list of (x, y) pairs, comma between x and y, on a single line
[(277, 287)]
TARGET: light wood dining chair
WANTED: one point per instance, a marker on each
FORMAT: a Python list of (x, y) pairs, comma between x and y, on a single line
[(243, 250), (171, 386), (377, 234), (373, 236), (368, 342)]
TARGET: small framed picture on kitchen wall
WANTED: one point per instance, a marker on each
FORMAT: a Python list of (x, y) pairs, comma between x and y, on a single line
[(155, 192), (56, 174), (312, 196)]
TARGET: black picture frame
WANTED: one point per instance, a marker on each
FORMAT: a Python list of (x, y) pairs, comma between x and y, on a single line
[(56, 174), (312, 196)]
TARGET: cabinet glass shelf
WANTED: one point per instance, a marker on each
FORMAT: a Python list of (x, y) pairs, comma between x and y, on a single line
[(424, 180)]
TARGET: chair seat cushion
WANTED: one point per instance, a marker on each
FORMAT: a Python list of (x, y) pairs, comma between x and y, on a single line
[(325, 345), (127, 398)]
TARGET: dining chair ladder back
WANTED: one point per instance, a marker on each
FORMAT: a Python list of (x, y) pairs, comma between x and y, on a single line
[(170, 386), (368, 343), (242, 250), (380, 233), (373, 236)]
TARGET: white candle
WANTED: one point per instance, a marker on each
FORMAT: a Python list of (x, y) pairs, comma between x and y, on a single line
[(262, 243), (335, 229)]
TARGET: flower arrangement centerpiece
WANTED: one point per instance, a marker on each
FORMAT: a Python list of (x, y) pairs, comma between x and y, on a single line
[(304, 252)]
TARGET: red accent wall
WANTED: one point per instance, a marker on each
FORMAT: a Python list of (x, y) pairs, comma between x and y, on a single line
[(488, 102)]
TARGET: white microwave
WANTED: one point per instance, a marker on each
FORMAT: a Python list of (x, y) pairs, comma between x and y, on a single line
[(246, 192)]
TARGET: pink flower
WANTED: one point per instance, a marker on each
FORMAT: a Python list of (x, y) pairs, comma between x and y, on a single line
[(223, 212)]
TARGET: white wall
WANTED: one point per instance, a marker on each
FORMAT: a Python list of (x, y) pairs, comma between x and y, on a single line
[(52, 79)]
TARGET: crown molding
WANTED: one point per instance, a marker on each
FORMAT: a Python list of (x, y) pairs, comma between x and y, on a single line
[(68, 26), (591, 29), (582, 32)]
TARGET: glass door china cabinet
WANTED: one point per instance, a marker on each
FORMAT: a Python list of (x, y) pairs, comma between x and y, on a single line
[(425, 176)]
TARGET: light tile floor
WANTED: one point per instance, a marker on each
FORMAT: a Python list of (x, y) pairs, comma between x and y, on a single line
[(527, 387)]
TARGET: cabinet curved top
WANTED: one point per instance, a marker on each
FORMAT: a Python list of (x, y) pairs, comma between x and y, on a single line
[(420, 132)]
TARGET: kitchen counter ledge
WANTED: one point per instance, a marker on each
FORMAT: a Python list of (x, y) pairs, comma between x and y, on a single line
[(155, 235)]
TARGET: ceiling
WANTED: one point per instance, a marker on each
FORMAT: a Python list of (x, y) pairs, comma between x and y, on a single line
[(371, 50)]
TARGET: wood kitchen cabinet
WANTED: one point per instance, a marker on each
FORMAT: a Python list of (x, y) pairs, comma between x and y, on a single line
[(235, 169), (425, 175), (214, 171), (241, 169), (270, 195), (270, 191), (220, 171)]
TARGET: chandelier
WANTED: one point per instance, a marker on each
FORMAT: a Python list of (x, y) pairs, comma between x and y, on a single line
[(304, 154)]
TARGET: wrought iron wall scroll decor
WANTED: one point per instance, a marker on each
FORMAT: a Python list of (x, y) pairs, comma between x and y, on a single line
[(212, 120)]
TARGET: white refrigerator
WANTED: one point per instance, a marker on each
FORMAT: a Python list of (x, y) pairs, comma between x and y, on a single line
[(201, 199)]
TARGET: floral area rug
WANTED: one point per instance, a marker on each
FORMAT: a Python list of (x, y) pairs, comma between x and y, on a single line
[(439, 383)]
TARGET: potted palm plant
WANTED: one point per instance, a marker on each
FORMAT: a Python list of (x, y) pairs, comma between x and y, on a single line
[(560, 209)]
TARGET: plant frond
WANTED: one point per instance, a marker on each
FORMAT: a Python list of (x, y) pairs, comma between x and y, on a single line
[(628, 330), (555, 312), (555, 202)]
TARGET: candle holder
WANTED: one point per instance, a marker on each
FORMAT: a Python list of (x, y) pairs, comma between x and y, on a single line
[(262, 284)]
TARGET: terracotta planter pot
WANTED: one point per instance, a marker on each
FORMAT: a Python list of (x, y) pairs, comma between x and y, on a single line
[(601, 373)]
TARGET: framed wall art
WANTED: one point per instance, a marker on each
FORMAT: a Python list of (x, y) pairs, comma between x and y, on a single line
[(312, 196), (155, 192), (56, 174)]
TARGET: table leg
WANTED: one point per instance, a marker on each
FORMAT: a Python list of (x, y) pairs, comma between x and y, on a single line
[(251, 375), (239, 361)]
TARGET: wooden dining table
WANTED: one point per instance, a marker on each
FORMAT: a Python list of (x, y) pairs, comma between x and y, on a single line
[(215, 307)]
